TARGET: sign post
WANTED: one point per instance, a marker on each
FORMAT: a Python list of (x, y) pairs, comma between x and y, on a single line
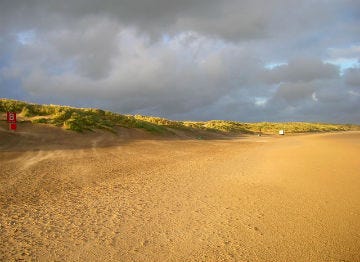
[(13, 126), (11, 119)]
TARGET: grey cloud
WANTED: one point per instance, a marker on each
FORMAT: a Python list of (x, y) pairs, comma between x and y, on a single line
[(243, 19), (148, 77), (320, 100), (348, 52), (294, 93), (91, 45), (352, 77), (302, 69)]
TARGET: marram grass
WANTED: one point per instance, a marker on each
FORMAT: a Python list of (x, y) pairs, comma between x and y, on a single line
[(82, 119)]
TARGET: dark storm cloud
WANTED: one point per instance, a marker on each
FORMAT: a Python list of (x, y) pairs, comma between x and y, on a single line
[(178, 77), (230, 19), (196, 59)]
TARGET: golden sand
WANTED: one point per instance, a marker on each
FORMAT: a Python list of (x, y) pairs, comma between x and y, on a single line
[(100, 197)]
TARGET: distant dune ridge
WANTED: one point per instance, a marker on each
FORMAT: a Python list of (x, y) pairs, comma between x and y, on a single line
[(82, 119)]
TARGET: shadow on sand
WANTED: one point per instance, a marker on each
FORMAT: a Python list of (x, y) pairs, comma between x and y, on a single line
[(34, 137)]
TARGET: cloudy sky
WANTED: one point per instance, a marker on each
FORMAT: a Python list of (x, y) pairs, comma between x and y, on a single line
[(244, 60)]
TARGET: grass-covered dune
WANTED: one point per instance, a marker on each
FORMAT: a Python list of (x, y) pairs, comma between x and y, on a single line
[(82, 119)]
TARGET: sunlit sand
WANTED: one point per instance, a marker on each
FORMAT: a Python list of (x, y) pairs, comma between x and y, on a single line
[(99, 197)]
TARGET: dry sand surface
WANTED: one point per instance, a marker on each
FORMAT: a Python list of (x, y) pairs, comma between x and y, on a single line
[(100, 197)]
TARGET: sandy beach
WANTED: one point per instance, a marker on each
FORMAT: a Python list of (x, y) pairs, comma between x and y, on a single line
[(100, 197)]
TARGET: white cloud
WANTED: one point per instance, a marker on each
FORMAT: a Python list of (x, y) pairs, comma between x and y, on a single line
[(314, 97)]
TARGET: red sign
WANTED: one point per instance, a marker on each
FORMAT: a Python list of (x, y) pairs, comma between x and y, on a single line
[(12, 126), (11, 117)]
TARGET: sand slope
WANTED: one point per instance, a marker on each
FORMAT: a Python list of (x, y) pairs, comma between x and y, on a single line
[(100, 197)]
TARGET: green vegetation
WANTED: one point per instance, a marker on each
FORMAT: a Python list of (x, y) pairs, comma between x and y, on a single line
[(82, 119), (76, 119)]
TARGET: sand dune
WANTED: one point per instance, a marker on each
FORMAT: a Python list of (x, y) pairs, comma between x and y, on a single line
[(100, 197)]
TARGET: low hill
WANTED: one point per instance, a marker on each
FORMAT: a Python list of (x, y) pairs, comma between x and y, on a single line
[(82, 119)]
